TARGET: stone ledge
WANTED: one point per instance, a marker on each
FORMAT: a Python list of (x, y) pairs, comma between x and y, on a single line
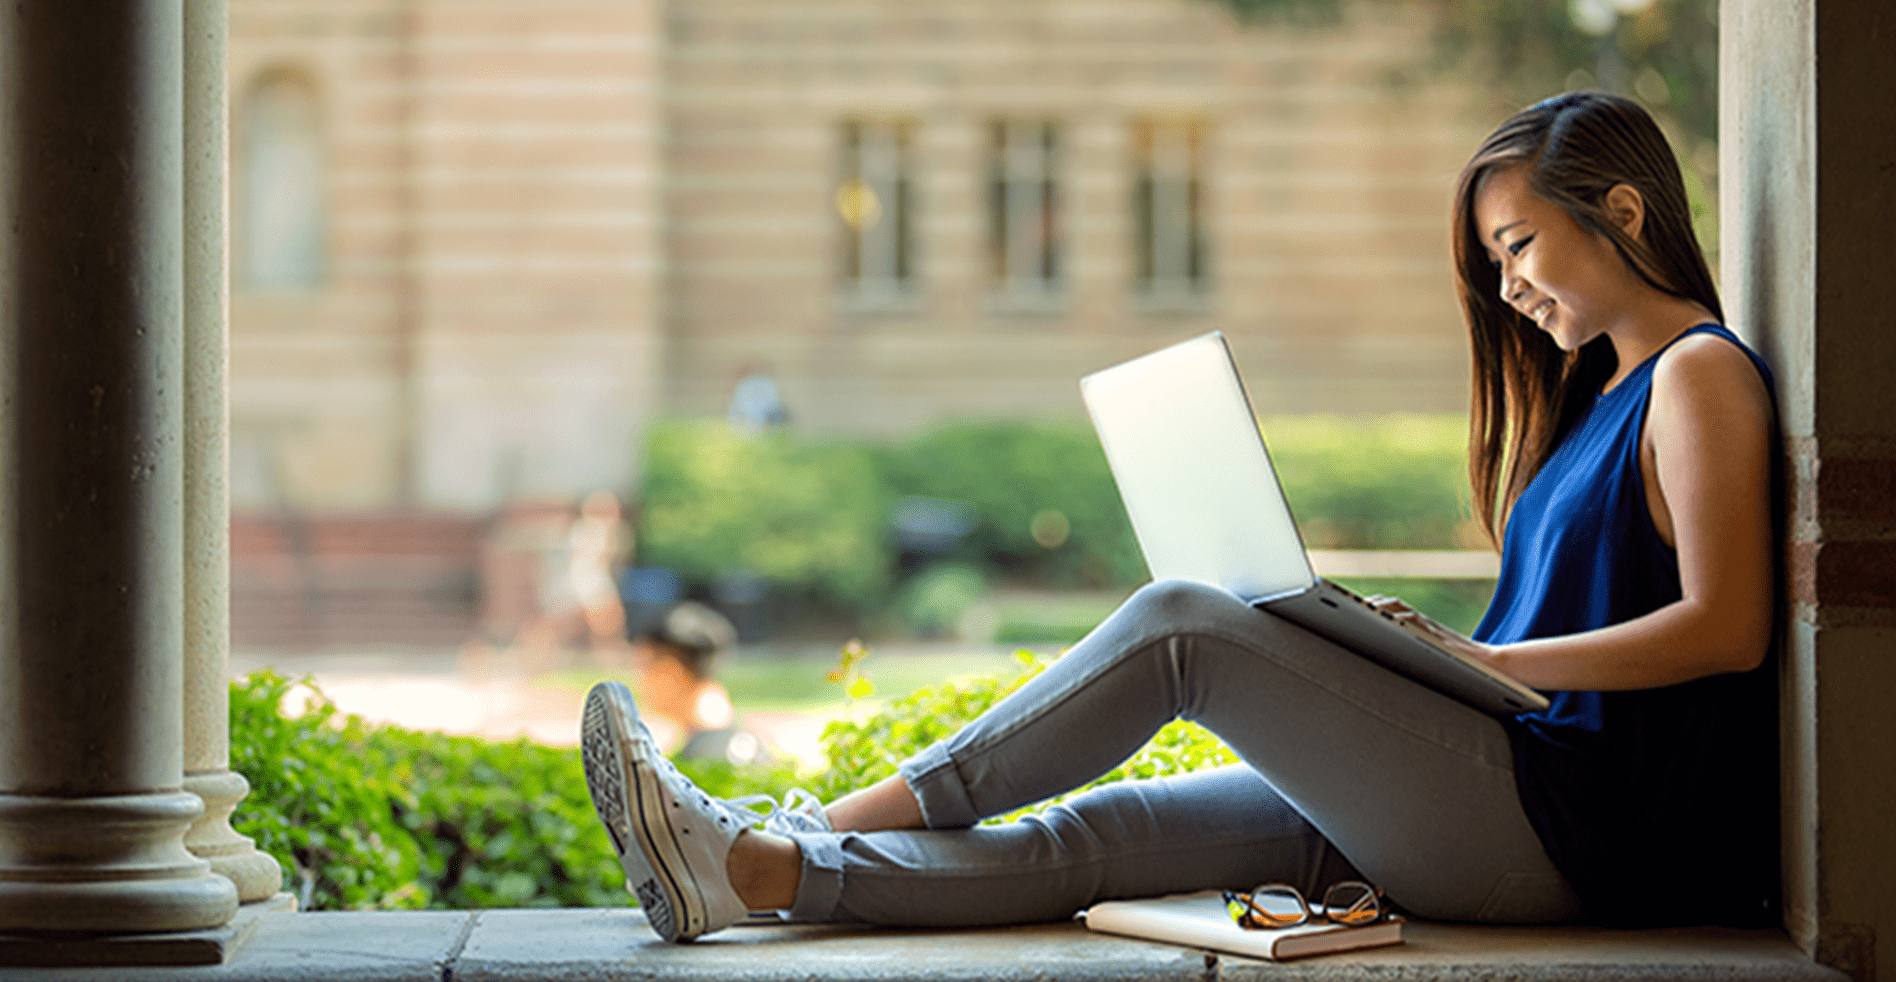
[(584, 945), (211, 946)]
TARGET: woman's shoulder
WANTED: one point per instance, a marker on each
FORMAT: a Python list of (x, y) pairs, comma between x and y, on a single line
[(1712, 369)]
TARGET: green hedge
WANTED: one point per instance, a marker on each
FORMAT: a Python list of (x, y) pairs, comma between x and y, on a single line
[(1389, 482), (863, 751), (1012, 473), (377, 817), (813, 515), (806, 514)]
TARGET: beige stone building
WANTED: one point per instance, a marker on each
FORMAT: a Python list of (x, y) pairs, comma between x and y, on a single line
[(479, 244)]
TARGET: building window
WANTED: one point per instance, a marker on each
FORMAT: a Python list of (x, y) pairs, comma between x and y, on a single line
[(1170, 253), (279, 187), (876, 201), (1024, 211)]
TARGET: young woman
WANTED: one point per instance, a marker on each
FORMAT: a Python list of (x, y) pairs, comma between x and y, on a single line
[(1622, 452)]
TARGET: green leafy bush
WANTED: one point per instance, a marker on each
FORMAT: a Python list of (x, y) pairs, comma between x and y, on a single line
[(1015, 473), (1387, 482), (365, 816), (813, 516), (934, 600), (317, 804), (805, 514), (863, 751)]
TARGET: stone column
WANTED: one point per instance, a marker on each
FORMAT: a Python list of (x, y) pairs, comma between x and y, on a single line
[(92, 809), (207, 770), (1807, 185)]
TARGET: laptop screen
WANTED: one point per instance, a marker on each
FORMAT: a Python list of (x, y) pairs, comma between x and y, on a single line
[(1192, 470)]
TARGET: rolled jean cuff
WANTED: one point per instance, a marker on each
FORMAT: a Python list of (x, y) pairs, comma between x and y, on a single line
[(936, 783), (821, 886)]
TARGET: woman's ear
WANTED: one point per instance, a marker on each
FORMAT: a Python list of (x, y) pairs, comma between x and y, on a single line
[(1627, 208)]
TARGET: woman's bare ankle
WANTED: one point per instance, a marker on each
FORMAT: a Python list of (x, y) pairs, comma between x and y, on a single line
[(765, 870), (886, 804)]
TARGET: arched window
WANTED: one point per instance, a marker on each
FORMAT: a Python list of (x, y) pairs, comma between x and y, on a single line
[(280, 186)]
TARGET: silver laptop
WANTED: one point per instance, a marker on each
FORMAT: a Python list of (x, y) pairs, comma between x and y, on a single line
[(1206, 505)]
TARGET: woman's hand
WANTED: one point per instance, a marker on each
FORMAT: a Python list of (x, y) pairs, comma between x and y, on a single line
[(1423, 624)]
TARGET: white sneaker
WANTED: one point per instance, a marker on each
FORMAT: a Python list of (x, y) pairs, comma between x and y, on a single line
[(672, 838)]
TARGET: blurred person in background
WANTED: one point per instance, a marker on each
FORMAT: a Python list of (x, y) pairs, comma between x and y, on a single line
[(756, 402), (575, 603), (687, 709), (597, 545)]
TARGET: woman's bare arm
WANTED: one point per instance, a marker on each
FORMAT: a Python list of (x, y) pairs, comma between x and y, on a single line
[(1707, 459)]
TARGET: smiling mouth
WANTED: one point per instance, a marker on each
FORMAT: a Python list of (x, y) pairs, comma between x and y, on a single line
[(1539, 311)]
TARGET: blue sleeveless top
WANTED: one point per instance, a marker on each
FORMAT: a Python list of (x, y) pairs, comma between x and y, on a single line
[(1659, 806)]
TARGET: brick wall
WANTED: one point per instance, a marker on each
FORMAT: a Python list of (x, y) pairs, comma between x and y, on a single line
[(1843, 537), (389, 579)]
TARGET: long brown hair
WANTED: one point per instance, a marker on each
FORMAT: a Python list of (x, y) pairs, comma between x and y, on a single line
[(1527, 393)]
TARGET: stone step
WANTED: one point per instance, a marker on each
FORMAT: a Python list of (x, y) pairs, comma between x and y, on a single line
[(592, 944)]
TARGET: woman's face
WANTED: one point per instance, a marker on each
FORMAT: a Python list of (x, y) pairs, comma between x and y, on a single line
[(1564, 278)]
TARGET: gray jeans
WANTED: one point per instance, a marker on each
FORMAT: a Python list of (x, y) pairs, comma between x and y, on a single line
[(1347, 767)]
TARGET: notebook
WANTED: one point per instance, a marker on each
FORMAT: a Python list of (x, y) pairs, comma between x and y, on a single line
[(1206, 505), (1199, 920)]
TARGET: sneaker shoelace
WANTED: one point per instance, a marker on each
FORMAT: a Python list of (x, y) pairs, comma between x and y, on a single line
[(799, 812)]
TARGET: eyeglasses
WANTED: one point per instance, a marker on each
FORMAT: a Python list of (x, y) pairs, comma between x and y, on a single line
[(1352, 903)]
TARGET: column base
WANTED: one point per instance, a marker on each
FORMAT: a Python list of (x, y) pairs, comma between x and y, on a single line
[(114, 864), (231, 855), (213, 946)]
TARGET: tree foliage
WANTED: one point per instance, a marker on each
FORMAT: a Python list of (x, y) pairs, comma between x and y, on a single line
[(1662, 52), (1292, 11)]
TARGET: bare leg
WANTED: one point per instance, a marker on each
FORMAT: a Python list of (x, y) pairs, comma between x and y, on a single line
[(765, 870), (886, 804)]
